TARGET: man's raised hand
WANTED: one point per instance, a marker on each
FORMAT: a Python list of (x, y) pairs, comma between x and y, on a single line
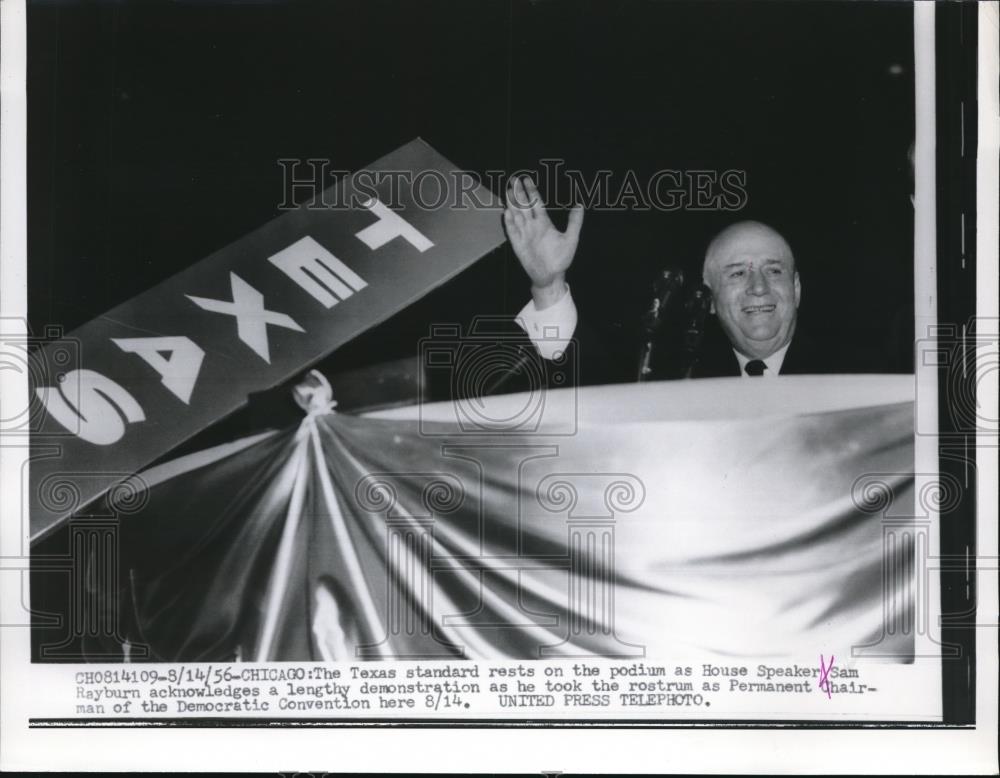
[(544, 252)]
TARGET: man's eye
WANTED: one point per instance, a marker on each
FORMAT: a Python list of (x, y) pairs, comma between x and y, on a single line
[(737, 274), (775, 271)]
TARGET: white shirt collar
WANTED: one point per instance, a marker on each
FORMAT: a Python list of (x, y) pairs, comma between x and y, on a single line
[(773, 362)]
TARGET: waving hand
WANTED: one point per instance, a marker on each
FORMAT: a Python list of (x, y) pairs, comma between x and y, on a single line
[(545, 253)]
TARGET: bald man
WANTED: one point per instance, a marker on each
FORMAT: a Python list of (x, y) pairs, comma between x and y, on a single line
[(755, 294), (749, 268)]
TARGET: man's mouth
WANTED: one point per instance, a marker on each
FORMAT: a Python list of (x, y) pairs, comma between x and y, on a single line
[(753, 309)]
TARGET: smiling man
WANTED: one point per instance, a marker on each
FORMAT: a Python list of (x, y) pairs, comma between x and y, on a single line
[(755, 293), (749, 268)]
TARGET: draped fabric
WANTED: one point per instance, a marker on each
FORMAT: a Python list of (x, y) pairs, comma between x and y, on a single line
[(720, 517)]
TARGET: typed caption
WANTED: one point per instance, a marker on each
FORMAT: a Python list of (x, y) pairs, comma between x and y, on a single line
[(568, 688)]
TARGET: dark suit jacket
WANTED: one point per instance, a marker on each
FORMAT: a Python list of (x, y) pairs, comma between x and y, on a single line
[(594, 358), (600, 358), (589, 359), (806, 355)]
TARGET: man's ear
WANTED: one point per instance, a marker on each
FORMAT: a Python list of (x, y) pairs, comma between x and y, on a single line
[(798, 289)]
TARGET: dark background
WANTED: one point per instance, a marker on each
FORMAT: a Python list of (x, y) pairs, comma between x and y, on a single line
[(154, 131)]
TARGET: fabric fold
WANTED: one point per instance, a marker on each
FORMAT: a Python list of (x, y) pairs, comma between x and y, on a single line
[(747, 535)]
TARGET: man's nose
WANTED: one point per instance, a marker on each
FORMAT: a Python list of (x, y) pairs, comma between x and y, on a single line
[(757, 283)]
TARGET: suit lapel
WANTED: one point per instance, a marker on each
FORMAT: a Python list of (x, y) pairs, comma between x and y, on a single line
[(803, 356)]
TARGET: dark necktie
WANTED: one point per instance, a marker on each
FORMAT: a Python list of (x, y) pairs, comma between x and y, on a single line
[(755, 367)]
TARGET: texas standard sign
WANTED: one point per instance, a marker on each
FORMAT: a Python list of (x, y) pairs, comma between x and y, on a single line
[(130, 386)]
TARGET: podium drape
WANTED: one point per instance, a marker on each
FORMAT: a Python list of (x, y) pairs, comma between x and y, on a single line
[(709, 518)]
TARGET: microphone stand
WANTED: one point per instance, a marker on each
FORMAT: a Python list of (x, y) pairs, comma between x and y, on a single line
[(697, 307), (666, 285), (523, 360), (646, 355)]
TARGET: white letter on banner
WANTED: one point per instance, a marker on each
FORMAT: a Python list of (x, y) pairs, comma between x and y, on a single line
[(102, 402), (318, 271), (390, 225), (180, 371), (251, 316)]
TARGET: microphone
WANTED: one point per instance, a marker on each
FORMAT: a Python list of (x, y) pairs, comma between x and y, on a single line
[(665, 288), (696, 309)]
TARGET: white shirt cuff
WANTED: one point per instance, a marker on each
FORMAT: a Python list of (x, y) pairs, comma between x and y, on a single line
[(551, 329)]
